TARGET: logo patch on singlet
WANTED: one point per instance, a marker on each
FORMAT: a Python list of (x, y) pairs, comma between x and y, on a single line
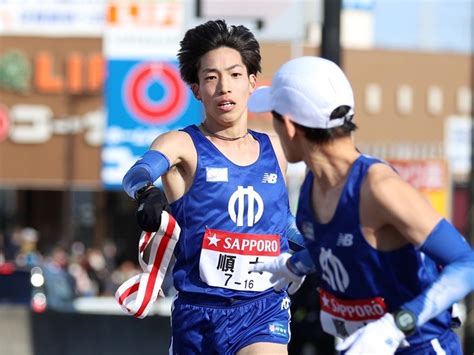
[(216, 174), (245, 206)]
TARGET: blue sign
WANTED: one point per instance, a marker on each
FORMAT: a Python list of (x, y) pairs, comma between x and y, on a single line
[(143, 101)]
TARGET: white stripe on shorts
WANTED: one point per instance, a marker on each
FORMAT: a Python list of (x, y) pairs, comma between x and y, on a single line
[(437, 347)]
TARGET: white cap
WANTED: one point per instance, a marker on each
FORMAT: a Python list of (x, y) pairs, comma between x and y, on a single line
[(307, 89)]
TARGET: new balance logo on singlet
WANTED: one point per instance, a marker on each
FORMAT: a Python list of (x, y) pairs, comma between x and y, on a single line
[(269, 178), (345, 240)]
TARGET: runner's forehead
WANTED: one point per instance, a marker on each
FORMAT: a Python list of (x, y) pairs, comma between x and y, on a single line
[(220, 59), (213, 69)]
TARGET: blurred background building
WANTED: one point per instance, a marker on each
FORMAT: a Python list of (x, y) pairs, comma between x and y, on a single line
[(85, 86)]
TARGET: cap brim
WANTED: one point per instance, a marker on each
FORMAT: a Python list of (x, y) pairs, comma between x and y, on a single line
[(260, 100)]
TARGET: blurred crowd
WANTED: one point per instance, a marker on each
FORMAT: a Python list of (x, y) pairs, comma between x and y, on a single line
[(78, 271)]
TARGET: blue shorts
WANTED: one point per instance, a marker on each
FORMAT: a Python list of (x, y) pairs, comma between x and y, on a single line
[(201, 325)]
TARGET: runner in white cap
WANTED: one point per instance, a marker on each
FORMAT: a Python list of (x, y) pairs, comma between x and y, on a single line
[(391, 266)]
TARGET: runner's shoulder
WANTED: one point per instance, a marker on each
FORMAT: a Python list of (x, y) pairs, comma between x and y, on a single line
[(175, 145), (178, 140)]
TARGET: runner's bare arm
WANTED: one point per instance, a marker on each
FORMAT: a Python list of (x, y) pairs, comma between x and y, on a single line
[(402, 206), (171, 155), (390, 201), (170, 150), (175, 146), (178, 147)]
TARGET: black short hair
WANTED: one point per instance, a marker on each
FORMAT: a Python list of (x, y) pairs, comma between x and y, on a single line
[(212, 35), (323, 135)]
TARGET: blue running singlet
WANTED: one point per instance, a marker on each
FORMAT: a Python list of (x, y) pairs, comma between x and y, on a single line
[(231, 217), (359, 283)]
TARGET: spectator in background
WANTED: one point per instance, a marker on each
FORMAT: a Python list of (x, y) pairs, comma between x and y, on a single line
[(28, 255), (97, 268), (12, 243), (85, 286), (125, 270), (60, 286)]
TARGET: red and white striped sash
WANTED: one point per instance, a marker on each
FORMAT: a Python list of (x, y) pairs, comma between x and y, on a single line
[(136, 295)]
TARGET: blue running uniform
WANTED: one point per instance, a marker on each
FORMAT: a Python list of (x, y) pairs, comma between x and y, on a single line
[(232, 217), (359, 283)]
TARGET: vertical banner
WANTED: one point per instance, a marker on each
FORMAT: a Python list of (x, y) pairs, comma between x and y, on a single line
[(145, 96), (144, 99), (431, 178)]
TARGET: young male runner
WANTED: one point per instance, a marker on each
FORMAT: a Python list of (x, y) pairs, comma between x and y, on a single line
[(228, 194), (391, 266)]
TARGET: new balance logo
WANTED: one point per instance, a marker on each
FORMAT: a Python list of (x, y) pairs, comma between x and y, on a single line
[(285, 303), (269, 178), (345, 240)]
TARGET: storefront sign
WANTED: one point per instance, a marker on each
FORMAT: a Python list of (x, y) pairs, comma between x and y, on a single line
[(75, 73), (35, 124)]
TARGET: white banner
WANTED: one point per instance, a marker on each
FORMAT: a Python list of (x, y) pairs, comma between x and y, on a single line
[(143, 29), (52, 18)]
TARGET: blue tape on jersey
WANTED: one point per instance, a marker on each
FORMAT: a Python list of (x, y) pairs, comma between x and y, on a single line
[(448, 248), (147, 170)]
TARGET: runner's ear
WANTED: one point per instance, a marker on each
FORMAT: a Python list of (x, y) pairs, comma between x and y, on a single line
[(290, 126), (195, 90), (252, 82)]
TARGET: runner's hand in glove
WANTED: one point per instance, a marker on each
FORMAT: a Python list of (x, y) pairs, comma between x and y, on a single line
[(381, 337), (283, 274), (150, 205)]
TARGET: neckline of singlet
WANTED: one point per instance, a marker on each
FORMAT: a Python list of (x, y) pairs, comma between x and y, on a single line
[(252, 133)]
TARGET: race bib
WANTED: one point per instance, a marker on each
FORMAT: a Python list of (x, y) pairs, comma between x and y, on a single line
[(226, 258), (341, 318)]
